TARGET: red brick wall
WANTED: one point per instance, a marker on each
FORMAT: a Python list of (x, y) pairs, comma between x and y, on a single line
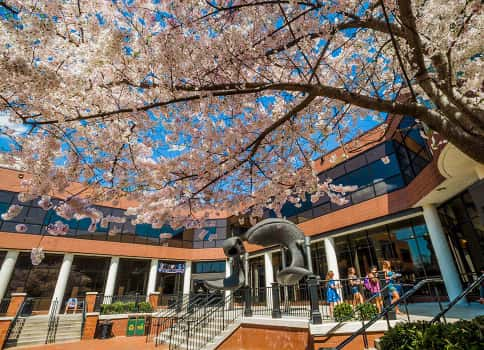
[(90, 326), (334, 340), (119, 327), (4, 324), (15, 303), (266, 338)]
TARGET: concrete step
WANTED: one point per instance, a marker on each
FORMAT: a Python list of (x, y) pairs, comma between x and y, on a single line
[(37, 341)]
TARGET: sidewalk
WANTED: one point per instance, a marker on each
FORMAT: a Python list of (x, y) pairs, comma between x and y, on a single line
[(117, 343)]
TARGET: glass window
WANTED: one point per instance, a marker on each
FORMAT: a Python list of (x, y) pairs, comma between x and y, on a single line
[(355, 163), (88, 274), (401, 230), (360, 178), (6, 196), (384, 168), (209, 267), (363, 194), (132, 276), (379, 151), (37, 281), (333, 173), (389, 185)]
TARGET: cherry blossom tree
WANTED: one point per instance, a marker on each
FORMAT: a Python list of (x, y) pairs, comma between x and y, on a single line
[(192, 107)]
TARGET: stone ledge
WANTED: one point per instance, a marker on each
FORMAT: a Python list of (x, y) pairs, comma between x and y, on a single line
[(347, 327), (276, 322)]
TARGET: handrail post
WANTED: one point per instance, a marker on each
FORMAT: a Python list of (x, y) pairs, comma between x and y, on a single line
[(313, 300), (276, 302), (365, 336), (247, 302), (437, 294)]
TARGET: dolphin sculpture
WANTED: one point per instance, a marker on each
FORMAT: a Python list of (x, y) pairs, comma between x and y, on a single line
[(268, 232), (234, 249)]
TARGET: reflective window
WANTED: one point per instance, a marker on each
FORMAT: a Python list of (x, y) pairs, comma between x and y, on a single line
[(209, 267), (132, 276)]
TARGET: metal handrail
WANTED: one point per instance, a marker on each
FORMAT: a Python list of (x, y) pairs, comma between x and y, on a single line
[(453, 302), (83, 322), (182, 324), (386, 310), (13, 323), (172, 313), (187, 308), (52, 325), (207, 318)]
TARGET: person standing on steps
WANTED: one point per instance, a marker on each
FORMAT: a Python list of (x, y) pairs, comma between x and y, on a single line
[(372, 283), (332, 295), (390, 277), (355, 283)]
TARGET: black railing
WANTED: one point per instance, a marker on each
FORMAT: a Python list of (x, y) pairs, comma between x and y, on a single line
[(36, 306), (193, 333), (384, 313), (4, 304), (15, 327), (184, 305), (53, 322), (84, 311), (474, 285)]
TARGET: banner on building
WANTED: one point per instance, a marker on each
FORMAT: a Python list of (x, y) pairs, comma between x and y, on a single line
[(171, 268)]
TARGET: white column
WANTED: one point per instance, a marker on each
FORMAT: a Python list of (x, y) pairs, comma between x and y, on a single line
[(228, 271), (331, 258), (268, 269), (61, 284), (187, 277), (445, 259), (269, 276), (7, 270), (152, 278), (112, 273)]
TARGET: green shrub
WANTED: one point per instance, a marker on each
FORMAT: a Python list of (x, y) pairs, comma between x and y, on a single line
[(454, 336), (467, 335), (145, 307), (404, 336), (130, 306), (343, 312), (122, 308), (118, 307), (366, 311)]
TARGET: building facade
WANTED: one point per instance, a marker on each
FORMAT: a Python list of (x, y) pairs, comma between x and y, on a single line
[(419, 208)]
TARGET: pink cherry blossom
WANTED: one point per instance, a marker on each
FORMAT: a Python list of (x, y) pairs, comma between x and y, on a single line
[(37, 255), (220, 108), (13, 211), (21, 228), (58, 229)]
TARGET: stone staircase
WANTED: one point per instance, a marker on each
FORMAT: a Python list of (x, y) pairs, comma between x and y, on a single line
[(206, 335), (33, 330)]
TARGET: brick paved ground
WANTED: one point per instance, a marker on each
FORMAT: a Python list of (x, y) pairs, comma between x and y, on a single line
[(117, 343)]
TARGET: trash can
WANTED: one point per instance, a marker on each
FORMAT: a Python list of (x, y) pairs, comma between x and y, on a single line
[(106, 328), (131, 330), (140, 326)]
